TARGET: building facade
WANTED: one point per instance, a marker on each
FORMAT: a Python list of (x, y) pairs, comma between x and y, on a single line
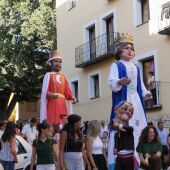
[(27, 110), (86, 32)]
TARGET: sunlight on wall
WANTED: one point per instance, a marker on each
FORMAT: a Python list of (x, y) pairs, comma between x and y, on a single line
[(60, 2), (154, 15), (15, 113)]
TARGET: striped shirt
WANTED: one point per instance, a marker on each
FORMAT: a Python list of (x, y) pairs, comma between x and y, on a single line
[(5, 153)]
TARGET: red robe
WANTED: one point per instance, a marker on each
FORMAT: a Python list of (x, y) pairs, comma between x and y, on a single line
[(56, 107)]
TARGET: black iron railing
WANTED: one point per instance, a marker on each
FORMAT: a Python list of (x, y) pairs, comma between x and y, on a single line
[(94, 51), (164, 19), (154, 88)]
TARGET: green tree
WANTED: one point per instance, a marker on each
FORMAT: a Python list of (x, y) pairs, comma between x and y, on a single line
[(27, 33)]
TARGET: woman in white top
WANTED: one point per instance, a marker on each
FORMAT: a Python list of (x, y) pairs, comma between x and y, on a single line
[(8, 153), (95, 148)]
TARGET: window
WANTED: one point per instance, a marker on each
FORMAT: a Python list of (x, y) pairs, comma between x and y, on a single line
[(92, 42), (75, 89), (107, 28), (148, 62), (94, 86), (89, 34), (109, 33), (145, 11), (141, 12), (150, 81), (71, 4), (148, 66), (31, 106), (21, 149)]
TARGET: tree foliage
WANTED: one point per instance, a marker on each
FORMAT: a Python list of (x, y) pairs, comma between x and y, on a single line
[(27, 33)]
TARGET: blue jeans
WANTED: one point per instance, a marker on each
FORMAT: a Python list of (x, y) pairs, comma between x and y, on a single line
[(8, 165)]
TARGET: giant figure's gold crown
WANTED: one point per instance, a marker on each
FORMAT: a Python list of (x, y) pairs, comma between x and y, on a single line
[(123, 38)]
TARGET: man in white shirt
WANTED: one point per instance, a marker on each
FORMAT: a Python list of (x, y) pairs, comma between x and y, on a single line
[(163, 135), (29, 131)]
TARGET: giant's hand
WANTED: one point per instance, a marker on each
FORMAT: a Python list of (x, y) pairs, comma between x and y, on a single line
[(124, 81), (74, 100)]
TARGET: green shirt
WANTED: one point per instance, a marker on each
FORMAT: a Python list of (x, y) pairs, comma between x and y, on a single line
[(148, 147), (44, 151)]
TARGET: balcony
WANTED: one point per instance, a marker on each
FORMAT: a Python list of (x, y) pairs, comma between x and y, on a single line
[(154, 104), (164, 19), (95, 51)]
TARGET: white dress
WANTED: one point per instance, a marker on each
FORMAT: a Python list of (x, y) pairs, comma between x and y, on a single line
[(138, 121)]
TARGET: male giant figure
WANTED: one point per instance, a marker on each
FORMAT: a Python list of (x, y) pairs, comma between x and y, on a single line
[(55, 92)]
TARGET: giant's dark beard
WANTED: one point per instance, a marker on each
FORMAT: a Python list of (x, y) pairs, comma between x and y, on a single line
[(55, 67)]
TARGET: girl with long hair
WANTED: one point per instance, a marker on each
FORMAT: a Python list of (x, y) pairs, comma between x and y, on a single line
[(149, 149), (71, 145), (8, 153), (95, 147)]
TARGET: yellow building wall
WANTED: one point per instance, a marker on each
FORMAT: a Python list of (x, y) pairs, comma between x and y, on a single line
[(29, 110), (70, 35), (70, 26)]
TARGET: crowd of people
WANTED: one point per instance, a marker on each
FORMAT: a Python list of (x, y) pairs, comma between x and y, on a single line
[(83, 146), (69, 145)]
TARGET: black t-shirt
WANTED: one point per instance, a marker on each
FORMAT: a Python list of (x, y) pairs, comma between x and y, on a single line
[(124, 140), (73, 145)]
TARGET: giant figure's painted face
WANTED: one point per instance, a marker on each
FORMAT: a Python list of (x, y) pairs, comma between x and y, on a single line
[(127, 52), (125, 111), (56, 65), (124, 51)]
